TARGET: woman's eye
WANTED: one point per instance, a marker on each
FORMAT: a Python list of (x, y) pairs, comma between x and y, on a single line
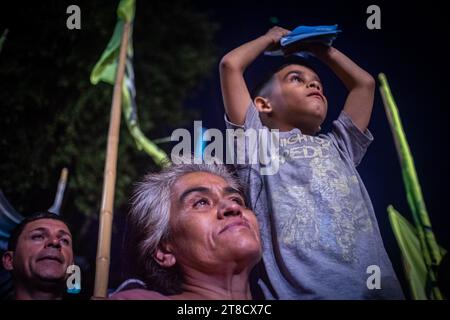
[(201, 203), (296, 79), (65, 241), (239, 201)]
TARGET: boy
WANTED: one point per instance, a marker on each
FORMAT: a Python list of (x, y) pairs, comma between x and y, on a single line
[(318, 227)]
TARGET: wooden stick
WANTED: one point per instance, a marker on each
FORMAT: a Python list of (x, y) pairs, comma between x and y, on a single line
[(109, 180)]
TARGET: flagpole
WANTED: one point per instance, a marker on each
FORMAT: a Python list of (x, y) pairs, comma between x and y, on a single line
[(109, 180), (56, 206)]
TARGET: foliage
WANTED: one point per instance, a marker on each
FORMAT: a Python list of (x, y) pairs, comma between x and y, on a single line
[(52, 117)]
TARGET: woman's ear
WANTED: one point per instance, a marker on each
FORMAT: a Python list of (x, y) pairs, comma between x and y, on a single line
[(164, 256), (262, 105)]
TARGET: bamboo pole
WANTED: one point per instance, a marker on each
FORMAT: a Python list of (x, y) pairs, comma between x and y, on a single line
[(109, 180)]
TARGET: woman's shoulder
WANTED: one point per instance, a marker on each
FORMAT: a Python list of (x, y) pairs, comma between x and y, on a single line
[(138, 294), (135, 289)]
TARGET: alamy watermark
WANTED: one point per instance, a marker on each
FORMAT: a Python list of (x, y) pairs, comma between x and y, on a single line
[(74, 20), (374, 20), (73, 281), (374, 280), (238, 147)]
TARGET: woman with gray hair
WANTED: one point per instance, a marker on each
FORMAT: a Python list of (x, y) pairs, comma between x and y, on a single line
[(194, 238)]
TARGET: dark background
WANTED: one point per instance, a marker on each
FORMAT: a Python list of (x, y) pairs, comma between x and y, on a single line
[(410, 49)]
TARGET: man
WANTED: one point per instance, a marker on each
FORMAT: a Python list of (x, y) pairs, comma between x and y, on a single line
[(193, 234), (39, 252)]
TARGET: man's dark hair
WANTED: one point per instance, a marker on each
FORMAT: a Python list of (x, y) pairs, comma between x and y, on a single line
[(15, 234), (258, 89)]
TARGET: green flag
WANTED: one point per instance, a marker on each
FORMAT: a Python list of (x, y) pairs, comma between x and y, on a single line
[(429, 249), (105, 70), (413, 263)]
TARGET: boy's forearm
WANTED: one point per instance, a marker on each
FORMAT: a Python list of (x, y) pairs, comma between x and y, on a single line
[(349, 72), (241, 57), (360, 84), (236, 97)]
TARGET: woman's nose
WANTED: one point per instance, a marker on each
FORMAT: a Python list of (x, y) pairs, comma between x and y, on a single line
[(229, 208)]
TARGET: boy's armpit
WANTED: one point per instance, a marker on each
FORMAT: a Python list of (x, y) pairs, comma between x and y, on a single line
[(252, 120), (350, 138), (364, 138), (231, 125)]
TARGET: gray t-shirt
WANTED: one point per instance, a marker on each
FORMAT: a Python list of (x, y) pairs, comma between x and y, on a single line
[(319, 231)]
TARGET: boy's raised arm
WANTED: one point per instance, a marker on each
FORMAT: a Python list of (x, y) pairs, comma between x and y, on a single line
[(359, 83), (236, 96)]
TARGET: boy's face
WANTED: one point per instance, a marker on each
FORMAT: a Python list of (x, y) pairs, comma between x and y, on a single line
[(297, 98)]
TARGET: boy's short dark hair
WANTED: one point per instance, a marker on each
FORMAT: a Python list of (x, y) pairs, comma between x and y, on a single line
[(16, 232), (257, 90)]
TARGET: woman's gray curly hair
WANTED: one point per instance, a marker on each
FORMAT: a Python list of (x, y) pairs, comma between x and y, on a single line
[(148, 221)]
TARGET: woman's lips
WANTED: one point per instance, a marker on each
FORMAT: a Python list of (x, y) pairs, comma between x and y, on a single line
[(241, 223)]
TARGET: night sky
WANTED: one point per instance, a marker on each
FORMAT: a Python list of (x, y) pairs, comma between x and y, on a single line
[(410, 49)]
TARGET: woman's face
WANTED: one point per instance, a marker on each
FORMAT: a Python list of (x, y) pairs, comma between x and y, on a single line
[(211, 228)]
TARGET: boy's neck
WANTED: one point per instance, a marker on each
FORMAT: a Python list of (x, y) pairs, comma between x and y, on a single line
[(286, 127)]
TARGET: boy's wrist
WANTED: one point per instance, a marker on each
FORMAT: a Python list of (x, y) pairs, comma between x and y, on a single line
[(269, 43), (329, 50), (269, 40), (322, 51)]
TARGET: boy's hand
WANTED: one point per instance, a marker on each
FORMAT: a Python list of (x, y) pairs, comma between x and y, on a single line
[(275, 34)]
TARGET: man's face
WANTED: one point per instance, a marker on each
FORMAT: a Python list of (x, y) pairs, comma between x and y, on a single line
[(297, 96), (211, 227), (43, 252)]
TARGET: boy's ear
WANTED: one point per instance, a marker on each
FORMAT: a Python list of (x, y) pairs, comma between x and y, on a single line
[(263, 105), (7, 260), (164, 256)]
